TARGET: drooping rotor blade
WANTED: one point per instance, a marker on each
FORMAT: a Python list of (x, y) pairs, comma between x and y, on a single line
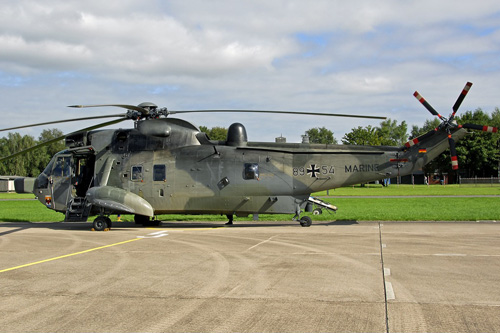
[(453, 153), (61, 138), (427, 105), (143, 111), (420, 138), (282, 112), (490, 129), (62, 121), (461, 97)]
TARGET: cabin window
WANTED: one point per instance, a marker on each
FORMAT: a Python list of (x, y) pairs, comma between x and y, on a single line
[(137, 173), (159, 173), (251, 171)]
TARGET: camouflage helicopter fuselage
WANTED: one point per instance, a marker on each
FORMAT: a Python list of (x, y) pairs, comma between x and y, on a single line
[(166, 166)]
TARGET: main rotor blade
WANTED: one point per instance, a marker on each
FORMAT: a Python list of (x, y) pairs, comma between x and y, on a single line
[(62, 121), (46, 143), (427, 105), (123, 106), (282, 112), (490, 129), (461, 97), (453, 153)]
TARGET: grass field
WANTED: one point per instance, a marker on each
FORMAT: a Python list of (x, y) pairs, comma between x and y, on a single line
[(350, 207), (410, 190)]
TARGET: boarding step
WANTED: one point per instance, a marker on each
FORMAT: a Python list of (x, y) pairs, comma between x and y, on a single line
[(78, 210)]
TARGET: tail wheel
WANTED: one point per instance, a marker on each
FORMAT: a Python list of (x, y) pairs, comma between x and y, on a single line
[(317, 211), (305, 221)]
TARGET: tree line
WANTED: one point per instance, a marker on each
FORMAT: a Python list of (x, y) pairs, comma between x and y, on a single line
[(32, 163), (478, 153)]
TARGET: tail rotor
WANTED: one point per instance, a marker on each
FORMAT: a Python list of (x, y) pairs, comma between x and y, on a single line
[(449, 124)]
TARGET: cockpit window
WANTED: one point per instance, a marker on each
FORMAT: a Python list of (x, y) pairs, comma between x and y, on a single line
[(251, 171), (49, 167), (62, 167)]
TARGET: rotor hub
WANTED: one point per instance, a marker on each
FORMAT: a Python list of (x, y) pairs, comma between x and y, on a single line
[(148, 106)]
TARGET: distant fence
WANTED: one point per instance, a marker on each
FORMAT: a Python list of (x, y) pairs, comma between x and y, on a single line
[(492, 181)]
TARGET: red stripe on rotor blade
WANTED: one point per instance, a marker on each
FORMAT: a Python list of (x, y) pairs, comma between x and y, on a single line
[(454, 162), (419, 97), (411, 142), (461, 98), (467, 88), (490, 129)]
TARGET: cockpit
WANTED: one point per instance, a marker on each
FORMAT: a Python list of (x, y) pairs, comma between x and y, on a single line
[(59, 166), (68, 168)]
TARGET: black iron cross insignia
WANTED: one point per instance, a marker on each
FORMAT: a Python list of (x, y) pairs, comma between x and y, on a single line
[(313, 170)]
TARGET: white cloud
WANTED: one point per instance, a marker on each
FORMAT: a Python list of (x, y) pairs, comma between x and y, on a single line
[(339, 56)]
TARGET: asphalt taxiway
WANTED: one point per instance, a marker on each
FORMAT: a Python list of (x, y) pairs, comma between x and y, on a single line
[(258, 277)]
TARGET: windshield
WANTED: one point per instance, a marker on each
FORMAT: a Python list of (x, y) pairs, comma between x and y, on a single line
[(62, 166), (59, 166), (48, 168)]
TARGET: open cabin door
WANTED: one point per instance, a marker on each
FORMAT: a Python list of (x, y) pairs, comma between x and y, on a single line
[(61, 181)]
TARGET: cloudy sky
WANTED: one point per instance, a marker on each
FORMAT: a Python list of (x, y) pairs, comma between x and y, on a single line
[(354, 57)]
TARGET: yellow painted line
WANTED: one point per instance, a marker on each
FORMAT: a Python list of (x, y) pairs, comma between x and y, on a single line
[(67, 255), (189, 229)]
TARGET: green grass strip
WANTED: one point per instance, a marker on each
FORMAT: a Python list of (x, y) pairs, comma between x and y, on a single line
[(410, 190), (356, 209)]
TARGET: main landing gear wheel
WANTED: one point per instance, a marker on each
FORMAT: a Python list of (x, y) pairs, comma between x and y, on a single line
[(146, 221), (305, 221), (101, 223), (141, 219)]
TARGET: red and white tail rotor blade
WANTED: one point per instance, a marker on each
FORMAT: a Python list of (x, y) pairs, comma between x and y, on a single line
[(461, 97), (427, 105), (453, 152), (490, 129), (415, 141)]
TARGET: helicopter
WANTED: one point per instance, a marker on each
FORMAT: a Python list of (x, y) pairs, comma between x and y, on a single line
[(166, 165)]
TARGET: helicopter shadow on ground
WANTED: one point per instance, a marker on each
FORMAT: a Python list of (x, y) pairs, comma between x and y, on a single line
[(124, 226), (340, 222), (12, 230), (249, 224), (20, 225)]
